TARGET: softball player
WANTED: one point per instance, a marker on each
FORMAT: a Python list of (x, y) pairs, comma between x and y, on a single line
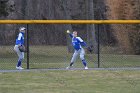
[(19, 42), (77, 43)]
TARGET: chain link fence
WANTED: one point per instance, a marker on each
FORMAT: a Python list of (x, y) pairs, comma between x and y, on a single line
[(113, 46), (8, 57), (121, 48)]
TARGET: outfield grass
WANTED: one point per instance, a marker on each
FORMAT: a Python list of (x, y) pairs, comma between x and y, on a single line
[(67, 81), (70, 81), (58, 57)]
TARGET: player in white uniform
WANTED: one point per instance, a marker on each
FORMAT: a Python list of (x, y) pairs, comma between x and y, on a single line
[(20, 42), (77, 43)]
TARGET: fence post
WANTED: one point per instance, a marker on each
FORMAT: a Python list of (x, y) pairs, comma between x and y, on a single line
[(98, 45), (28, 46)]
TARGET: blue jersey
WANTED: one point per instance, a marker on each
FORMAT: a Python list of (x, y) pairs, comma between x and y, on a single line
[(77, 42), (20, 39)]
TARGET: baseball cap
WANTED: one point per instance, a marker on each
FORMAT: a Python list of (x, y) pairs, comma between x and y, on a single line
[(22, 28)]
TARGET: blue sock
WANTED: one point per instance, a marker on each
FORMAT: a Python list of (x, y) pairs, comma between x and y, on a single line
[(19, 62), (84, 63), (71, 64)]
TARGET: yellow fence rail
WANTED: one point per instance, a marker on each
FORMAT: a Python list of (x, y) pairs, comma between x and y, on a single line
[(69, 21)]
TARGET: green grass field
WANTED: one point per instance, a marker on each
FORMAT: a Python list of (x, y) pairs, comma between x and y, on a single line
[(67, 81), (70, 81), (58, 57)]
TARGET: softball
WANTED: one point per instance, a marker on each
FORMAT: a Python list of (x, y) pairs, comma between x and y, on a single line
[(68, 31)]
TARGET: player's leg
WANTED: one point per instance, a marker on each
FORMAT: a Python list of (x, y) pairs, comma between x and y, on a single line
[(20, 57), (74, 57), (82, 54)]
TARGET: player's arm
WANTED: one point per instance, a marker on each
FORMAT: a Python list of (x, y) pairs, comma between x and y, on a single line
[(69, 34), (82, 42), (89, 48)]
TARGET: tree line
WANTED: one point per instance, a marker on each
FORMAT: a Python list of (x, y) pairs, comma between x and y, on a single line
[(126, 37)]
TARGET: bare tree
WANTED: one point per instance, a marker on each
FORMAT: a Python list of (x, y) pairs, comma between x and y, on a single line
[(91, 37), (69, 27)]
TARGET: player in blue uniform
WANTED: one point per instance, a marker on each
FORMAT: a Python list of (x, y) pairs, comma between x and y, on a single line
[(77, 43), (20, 42)]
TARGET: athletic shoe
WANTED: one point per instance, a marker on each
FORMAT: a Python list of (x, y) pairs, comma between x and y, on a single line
[(19, 68), (86, 67), (68, 67)]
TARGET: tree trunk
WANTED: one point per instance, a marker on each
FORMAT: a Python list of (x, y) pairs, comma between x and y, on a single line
[(69, 26), (91, 37)]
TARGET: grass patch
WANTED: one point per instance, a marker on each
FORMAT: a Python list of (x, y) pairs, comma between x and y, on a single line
[(70, 81)]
